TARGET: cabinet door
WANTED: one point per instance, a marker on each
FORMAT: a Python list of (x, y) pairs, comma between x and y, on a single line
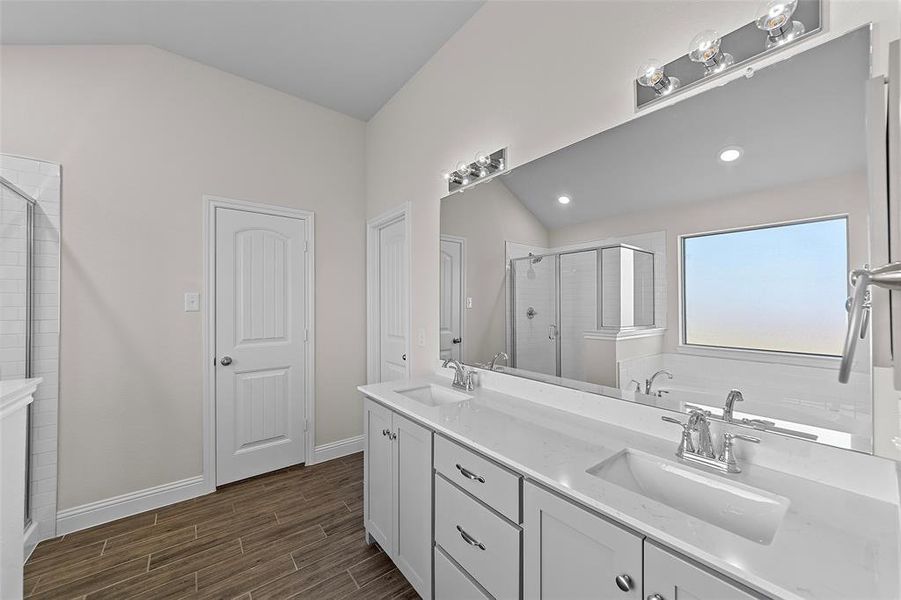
[(570, 553), (668, 577), (413, 491), (379, 475)]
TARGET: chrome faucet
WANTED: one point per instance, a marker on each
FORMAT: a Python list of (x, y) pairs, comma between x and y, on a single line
[(500, 355), (649, 383), (733, 397), (703, 452), (464, 379)]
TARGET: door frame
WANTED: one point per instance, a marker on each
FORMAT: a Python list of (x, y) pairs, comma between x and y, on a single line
[(462, 241), (208, 314), (373, 227)]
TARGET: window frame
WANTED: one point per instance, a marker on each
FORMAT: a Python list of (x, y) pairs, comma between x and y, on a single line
[(743, 353)]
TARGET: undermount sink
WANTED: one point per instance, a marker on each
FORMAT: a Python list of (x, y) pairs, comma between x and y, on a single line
[(434, 395), (744, 510)]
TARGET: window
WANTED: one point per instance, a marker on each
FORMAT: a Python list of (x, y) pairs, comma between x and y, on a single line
[(778, 288)]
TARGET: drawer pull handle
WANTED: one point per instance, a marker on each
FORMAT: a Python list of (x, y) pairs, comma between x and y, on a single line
[(469, 474), (469, 539)]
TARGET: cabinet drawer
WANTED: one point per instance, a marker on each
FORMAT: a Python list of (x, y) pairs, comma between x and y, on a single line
[(489, 482), (484, 544), (451, 583)]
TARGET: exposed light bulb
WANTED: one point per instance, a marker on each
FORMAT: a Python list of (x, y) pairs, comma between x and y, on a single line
[(775, 19), (483, 172), (705, 48), (463, 169), (482, 159), (650, 74), (563, 199), (465, 181), (446, 175)]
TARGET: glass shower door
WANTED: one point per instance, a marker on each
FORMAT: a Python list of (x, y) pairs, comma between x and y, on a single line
[(578, 309), (535, 327)]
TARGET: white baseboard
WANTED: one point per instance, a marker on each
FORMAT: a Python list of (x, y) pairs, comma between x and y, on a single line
[(337, 449), (132, 503), (31, 539)]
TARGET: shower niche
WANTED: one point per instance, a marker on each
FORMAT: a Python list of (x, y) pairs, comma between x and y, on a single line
[(567, 309)]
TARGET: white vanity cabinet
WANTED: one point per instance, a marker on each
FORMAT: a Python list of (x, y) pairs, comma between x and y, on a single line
[(398, 492), (670, 577), (571, 553)]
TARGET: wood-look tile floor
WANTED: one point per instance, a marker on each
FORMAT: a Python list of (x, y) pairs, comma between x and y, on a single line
[(295, 533)]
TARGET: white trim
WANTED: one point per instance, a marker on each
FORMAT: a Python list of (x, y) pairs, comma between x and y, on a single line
[(624, 334), (333, 450), (30, 539), (132, 503), (373, 226), (462, 241), (210, 205), (762, 356)]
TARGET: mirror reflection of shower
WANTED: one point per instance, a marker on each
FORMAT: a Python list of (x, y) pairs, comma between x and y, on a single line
[(555, 303)]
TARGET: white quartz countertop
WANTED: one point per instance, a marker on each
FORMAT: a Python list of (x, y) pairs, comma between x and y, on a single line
[(832, 543)]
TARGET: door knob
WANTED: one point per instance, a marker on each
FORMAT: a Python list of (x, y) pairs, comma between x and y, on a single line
[(456, 340), (624, 582), (226, 360)]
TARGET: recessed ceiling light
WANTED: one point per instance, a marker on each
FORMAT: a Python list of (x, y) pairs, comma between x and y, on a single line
[(730, 154), (563, 199)]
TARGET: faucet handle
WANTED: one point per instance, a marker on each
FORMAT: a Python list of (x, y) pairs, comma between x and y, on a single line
[(686, 445), (672, 420), (729, 436)]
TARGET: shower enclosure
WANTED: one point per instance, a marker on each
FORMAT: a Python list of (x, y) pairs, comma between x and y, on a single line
[(30, 203), (17, 234), (555, 298)]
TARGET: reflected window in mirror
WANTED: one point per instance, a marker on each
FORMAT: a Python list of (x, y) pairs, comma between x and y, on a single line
[(778, 288)]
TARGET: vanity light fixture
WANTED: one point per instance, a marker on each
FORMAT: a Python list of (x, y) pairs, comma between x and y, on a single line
[(730, 154), (776, 19), (651, 75), (706, 49), (483, 167), (564, 199)]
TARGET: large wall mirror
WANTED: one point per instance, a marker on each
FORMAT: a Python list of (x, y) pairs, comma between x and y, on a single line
[(698, 249)]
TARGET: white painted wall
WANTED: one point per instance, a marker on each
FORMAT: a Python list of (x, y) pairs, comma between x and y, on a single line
[(553, 73), (142, 134)]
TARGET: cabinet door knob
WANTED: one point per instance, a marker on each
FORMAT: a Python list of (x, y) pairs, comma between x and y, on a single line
[(624, 582), (226, 360), (656, 597), (385, 432)]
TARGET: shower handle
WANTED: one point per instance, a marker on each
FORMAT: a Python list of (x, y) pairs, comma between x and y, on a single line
[(552, 332)]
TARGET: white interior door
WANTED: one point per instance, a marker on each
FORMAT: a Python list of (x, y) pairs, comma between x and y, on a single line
[(393, 301), (451, 304), (260, 343)]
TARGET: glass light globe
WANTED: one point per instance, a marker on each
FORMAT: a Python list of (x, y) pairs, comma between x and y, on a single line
[(650, 74), (775, 19), (463, 169), (705, 49), (482, 159)]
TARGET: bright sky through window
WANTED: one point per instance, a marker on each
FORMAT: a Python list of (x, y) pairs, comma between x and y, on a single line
[(780, 288)]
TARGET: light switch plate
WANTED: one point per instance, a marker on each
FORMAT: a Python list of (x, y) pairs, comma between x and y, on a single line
[(420, 337), (192, 302)]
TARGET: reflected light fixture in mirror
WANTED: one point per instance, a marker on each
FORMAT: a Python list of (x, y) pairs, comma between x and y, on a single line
[(564, 199), (776, 19), (650, 74), (706, 49), (730, 154)]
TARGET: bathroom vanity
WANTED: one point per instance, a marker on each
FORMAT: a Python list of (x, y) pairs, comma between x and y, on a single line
[(525, 490)]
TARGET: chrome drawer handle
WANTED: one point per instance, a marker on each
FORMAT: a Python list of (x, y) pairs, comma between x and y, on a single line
[(469, 539), (470, 475)]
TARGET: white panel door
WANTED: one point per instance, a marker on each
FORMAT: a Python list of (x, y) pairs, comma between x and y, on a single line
[(451, 306), (672, 578), (572, 554), (393, 301), (260, 343), (413, 488)]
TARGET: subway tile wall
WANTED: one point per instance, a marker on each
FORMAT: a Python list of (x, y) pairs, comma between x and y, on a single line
[(42, 181)]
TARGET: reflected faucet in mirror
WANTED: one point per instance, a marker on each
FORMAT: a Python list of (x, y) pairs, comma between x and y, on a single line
[(733, 397), (649, 383), (499, 356)]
